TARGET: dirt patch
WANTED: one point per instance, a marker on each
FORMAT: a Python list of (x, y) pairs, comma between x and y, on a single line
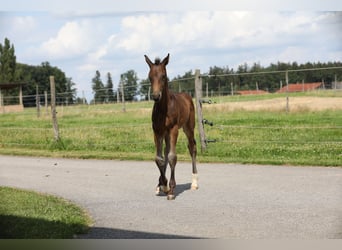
[(279, 104), (11, 108)]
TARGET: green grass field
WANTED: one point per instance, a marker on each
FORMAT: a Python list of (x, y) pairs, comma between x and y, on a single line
[(302, 137), (30, 215)]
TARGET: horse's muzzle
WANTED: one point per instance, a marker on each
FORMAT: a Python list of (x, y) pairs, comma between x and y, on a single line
[(157, 96)]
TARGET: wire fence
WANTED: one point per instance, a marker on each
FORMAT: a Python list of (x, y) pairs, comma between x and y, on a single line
[(213, 85), (104, 127), (94, 130), (219, 134), (63, 99)]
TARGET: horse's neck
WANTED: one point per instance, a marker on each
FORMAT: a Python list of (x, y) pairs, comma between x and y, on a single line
[(161, 107)]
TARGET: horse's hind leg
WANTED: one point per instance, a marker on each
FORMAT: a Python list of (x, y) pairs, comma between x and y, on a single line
[(193, 152)]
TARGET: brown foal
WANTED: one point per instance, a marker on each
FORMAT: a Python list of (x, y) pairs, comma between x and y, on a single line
[(171, 111)]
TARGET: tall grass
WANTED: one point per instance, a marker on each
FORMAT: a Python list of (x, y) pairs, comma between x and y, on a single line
[(303, 137)]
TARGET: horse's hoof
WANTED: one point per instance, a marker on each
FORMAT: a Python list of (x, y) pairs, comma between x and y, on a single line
[(162, 189), (170, 197), (194, 187), (165, 189)]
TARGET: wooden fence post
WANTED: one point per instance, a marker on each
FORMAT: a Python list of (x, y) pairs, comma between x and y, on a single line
[(46, 102), (83, 98), (198, 97), (53, 108), (37, 102), (21, 94), (287, 91), (123, 97)]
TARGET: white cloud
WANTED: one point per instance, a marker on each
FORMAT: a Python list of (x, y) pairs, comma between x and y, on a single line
[(73, 39), (210, 30), (141, 32), (79, 45), (200, 39)]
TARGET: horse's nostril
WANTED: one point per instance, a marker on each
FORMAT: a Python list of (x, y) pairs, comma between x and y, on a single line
[(156, 96)]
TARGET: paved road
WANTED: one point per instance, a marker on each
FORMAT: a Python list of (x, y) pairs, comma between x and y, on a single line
[(233, 201)]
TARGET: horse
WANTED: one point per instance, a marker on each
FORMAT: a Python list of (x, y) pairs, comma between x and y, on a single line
[(171, 112)]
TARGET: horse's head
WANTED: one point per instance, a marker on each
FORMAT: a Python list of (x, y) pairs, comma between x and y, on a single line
[(157, 76)]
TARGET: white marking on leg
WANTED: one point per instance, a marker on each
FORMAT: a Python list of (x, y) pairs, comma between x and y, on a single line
[(171, 196), (158, 190), (194, 184)]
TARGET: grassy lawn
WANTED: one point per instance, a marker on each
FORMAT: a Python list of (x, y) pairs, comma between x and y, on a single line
[(29, 215), (313, 138), (300, 137)]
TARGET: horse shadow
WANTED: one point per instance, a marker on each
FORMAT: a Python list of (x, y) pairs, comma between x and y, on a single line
[(180, 188)]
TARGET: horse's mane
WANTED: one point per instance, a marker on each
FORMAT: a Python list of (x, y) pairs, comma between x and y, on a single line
[(157, 61)]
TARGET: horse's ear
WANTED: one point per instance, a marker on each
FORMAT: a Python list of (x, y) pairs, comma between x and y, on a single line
[(166, 59), (148, 61)]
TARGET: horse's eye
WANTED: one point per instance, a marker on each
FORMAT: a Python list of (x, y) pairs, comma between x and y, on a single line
[(164, 77)]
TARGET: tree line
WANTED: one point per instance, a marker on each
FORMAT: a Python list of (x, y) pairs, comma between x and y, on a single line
[(221, 80), (31, 76), (105, 93), (218, 80)]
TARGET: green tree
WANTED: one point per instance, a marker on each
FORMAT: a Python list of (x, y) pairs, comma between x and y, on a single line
[(130, 83), (98, 88), (144, 88), (7, 70), (70, 95), (7, 62), (220, 84), (109, 89), (32, 76), (184, 83), (39, 76)]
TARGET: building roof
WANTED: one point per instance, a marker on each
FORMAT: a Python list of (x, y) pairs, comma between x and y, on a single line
[(299, 87), (11, 85), (252, 92)]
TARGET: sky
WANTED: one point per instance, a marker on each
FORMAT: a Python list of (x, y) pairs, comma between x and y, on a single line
[(80, 37)]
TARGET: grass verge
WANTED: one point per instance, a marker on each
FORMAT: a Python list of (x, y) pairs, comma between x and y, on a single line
[(30, 215)]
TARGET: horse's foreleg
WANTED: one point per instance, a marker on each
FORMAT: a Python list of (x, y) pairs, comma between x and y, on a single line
[(166, 160), (172, 157), (161, 163)]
